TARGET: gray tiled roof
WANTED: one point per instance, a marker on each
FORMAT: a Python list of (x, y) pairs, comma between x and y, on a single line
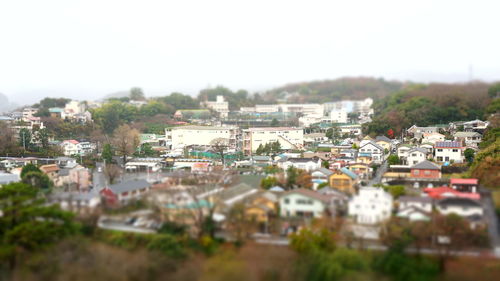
[(129, 186), (457, 201), (426, 165)]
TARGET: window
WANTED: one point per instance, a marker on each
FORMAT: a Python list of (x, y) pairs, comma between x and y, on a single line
[(455, 150), (427, 173), (416, 172), (287, 201), (440, 150)]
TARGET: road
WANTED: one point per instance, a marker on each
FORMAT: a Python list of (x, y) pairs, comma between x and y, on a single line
[(377, 179)]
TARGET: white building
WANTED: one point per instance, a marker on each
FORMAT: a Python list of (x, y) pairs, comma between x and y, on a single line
[(70, 147), (338, 116), (350, 129), (219, 105), (308, 164), (202, 136), (74, 107), (468, 138), (415, 156), (447, 151), (376, 151), (432, 137), (415, 208), (464, 207), (302, 203), (289, 138), (29, 113), (371, 206)]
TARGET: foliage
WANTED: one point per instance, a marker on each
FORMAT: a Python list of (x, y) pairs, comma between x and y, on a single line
[(37, 179), (323, 184), (325, 164), (494, 106), (275, 123), (395, 190), (137, 94), (47, 103), (393, 159), (307, 241), (272, 169), (179, 101), (166, 244), (113, 114), (146, 150), (469, 155), (125, 141), (29, 168), (269, 182), (107, 153), (27, 223), (25, 138), (268, 148), (235, 100)]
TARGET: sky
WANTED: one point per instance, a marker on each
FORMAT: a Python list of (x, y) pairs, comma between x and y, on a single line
[(87, 49)]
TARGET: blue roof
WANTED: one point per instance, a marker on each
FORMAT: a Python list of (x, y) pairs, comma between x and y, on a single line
[(276, 189), (349, 173)]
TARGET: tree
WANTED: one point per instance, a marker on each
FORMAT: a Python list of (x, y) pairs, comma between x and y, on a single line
[(125, 141), (8, 142), (25, 138), (137, 94), (275, 147), (42, 136), (469, 155), (329, 133), (238, 224), (395, 190), (304, 180), (494, 91), (268, 182), (29, 168), (275, 123), (112, 172), (325, 164), (146, 149), (390, 133), (107, 153), (28, 223), (259, 150), (37, 179), (291, 176), (393, 159), (219, 147)]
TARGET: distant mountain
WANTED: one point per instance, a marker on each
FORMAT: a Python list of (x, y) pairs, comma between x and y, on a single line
[(334, 90), (5, 104)]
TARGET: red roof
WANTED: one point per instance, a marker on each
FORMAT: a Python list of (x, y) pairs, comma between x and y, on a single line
[(444, 191), (464, 181)]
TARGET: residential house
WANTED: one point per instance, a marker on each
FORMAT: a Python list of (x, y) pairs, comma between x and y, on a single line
[(308, 164), (384, 142), (415, 208), (415, 156), (432, 138), (50, 170), (402, 151), (362, 170), (320, 176), (471, 139), (425, 169), (71, 147), (261, 207), (463, 207), (303, 203), (219, 105), (344, 180), (447, 151), (289, 138), (376, 151), (337, 200), (465, 185), (445, 192), (418, 132), (315, 138), (371, 205), (476, 126), (125, 191)]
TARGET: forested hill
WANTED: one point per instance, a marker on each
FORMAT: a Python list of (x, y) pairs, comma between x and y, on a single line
[(333, 90), (430, 104)]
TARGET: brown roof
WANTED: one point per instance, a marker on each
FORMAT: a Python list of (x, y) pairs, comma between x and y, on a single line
[(49, 168)]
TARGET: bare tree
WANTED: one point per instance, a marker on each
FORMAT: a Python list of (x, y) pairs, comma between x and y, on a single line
[(112, 172), (219, 146), (125, 141)]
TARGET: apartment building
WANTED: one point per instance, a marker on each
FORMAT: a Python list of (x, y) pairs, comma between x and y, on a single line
[(289, 138), (203, 136), (219, 105)]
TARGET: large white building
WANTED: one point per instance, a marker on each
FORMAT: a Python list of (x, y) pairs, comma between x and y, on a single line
[(371, 206), (289, 138), (202, 136), (219, 105), (303, 203), (338, 116)]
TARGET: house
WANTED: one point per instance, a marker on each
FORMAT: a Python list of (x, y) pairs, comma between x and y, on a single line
[(260, 208), (51, 171), (425, 169), (219, 105), (308, 164), (77, 177), (6, 178), (362, 170), (289, 138), (337, 202), (417, 132), (476, 126), (465, 185), (447, 151), (415, 208), (77, 202), (415, 156), (432, 138), (125, 191), (193, 114), (261, 160), (320, 176), (370, 206), (315, 138), (445, 192), (70, 147), (344, 180), (402, 151), (463, 207), (376, 151), (302, 203), (384, 142), (66, 162), (468, 138)]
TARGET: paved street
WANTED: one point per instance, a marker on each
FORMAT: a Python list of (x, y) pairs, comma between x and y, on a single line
[(378, 175)]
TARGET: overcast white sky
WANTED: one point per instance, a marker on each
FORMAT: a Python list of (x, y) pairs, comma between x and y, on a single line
[(86, 49)]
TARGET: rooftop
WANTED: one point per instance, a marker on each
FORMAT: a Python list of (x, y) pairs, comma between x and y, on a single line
[(464, 181), (447, 144), (426, 165)]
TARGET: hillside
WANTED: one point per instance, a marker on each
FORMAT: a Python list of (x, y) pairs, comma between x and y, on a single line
[(333, 90)]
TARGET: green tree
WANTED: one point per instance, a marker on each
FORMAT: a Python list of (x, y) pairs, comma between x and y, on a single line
[(275, 123), (275, 147), (29, 168), (268, 182), (469, 155), (325, 164), (291, 176), (393, 159), (43, 137), (137, 94), (37, 179), (395, 190), (107, 153), (260, 150), (25, 138), (146, 149), (28, 223), (329, 133), (494, 91)]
